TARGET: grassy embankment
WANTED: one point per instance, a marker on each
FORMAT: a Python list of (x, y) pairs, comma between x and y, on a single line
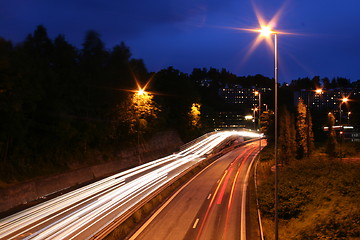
[(319, 198)]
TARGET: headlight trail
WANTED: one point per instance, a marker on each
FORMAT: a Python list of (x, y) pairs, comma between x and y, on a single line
[(81, 213)]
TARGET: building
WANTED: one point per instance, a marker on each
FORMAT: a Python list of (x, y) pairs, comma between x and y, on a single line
[(236, 94), (242, 114), (326, 99)]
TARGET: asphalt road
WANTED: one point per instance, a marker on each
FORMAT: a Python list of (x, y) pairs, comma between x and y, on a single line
[(84, 212), (212, 206)]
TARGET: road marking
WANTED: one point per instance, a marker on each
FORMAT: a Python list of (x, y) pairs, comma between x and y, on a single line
[(196, 222), (209, 196), (243, 198), (210, 204), (141, 229), (222, 191)]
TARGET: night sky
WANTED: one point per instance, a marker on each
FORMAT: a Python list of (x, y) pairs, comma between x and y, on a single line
[(191, 34)]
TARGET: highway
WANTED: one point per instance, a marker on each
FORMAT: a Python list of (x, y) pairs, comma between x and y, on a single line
[(213, 205), (83, 213)]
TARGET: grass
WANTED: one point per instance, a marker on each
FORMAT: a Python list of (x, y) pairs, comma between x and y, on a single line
[(318, 198)]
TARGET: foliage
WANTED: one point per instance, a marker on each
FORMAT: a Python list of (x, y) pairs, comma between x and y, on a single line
[(59, 103), (318, 199), (194, 115), (305, 135), (137, 115), (331, 141), (287, 137), (301, 130), (267, 124)]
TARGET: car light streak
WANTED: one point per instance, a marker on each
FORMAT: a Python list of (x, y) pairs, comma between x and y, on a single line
[(243, 201), (210, 205), (232, 190), (221, 188), (84, 212)]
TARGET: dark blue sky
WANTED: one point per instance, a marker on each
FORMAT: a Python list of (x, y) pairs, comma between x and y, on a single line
[(194, 33)]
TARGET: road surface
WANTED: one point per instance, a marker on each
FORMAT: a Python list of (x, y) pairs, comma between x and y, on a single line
[(82, 213), (212, 206)]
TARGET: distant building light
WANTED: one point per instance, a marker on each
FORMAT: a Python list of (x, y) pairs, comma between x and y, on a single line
[(248, 117)]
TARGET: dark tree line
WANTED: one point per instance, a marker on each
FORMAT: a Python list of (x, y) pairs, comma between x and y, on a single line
[(58, 101)]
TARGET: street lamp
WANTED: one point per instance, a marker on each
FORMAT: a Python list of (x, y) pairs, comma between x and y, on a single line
[(257, 93), (266, 31), (343, 100), (266, 107), (254, 117), (318, 91)]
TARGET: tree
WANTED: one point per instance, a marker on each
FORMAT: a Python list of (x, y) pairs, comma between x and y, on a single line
[(310, 135), (287, 137), (267, 124), (305, 135), (9, 105), (95, 96), (331, 141), (195, 123), (301, 130), (136, 116), (177, 94)]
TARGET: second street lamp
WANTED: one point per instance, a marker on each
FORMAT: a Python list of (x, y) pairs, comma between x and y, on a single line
[(343, 100), (257, 93)]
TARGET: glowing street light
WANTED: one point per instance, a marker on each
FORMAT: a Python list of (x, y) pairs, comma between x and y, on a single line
[(141, 92), (266, 32), (318, 91), (254, 117), (257, 93), (343, 100)]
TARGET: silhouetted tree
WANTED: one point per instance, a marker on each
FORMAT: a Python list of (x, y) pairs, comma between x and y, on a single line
[(176, 96), (331, 141), (301, 130), (267, 124), (287, 136), (305, 135)]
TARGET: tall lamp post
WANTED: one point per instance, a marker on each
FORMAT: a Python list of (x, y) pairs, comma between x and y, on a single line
[(254, 116), (343, 100), (266, 32), (257, 93)]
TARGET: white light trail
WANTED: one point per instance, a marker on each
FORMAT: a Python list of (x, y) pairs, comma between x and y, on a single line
[(85, 211)]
